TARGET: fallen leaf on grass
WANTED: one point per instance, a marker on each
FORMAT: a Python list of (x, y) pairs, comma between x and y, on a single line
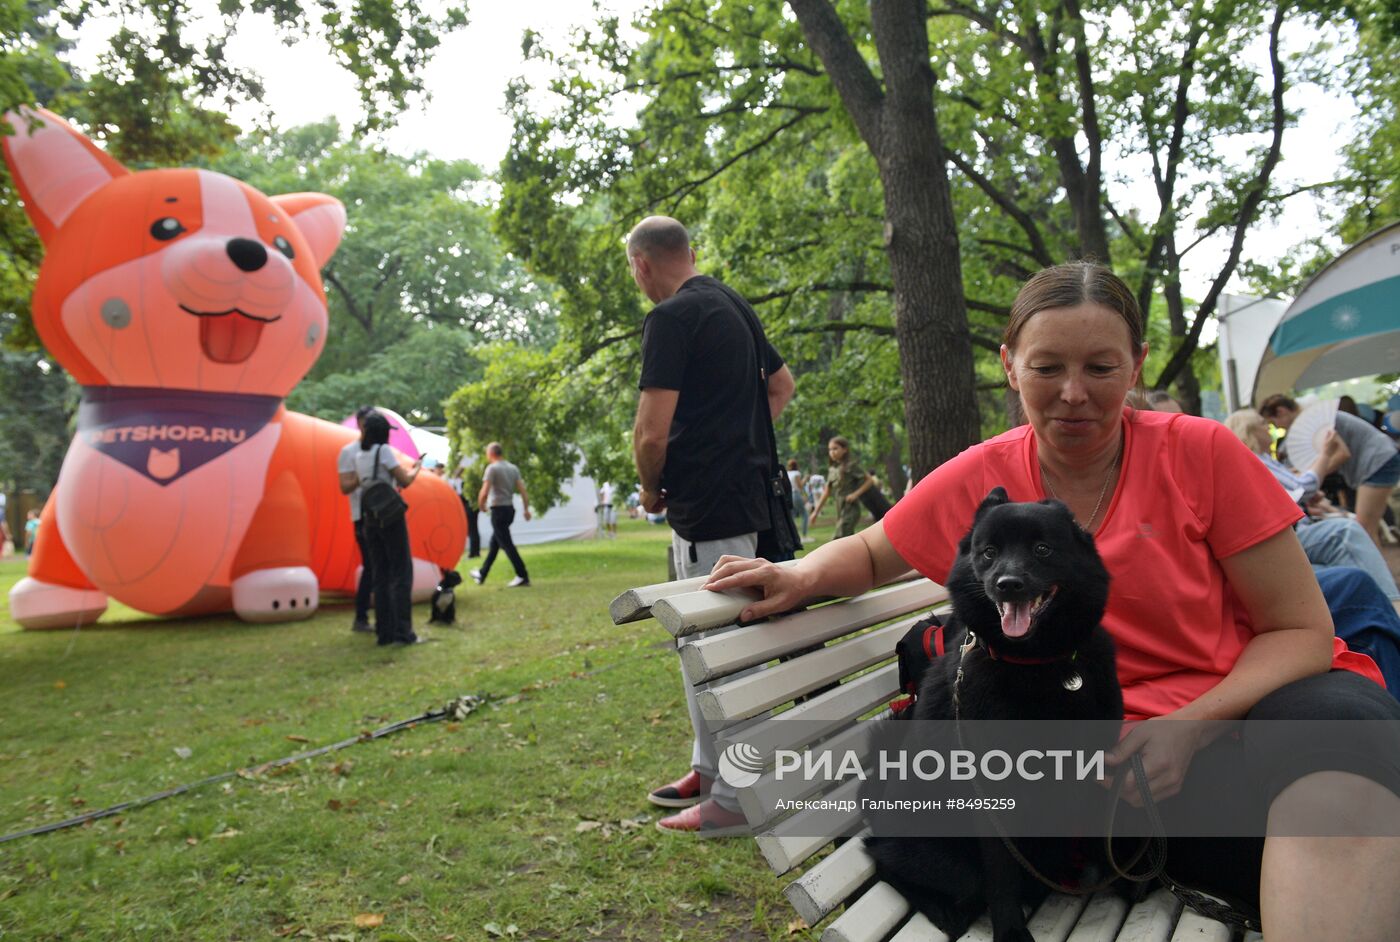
[(583, 826), (334, 804), (184, 752), (492, 929), (222, 835), (191, 841), (368, 920), (296, 738), (403, 880), (59, 684), (796, 926)]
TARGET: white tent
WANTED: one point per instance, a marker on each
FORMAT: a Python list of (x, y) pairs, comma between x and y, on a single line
[(575, 519), (1245, 325)]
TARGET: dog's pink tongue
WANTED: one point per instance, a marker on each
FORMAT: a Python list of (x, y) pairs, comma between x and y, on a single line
[(1016, 619)]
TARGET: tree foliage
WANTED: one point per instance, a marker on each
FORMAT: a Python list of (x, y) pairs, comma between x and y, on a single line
[(760, 126), (418, 249)]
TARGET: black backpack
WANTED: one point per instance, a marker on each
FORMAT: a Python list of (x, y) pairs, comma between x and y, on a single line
[(380, 504)]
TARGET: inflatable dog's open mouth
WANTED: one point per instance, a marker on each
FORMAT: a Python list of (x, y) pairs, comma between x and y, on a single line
[(229, 336)]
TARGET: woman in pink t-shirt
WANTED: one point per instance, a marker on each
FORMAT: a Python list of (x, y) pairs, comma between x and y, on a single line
[(1213, 607)]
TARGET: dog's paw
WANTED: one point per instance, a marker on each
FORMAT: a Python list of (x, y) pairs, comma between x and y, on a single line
[(36, 604), (287, 593)]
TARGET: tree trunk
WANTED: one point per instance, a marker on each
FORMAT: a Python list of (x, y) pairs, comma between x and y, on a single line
[(1188, 388), (899, 125), (894, 465)]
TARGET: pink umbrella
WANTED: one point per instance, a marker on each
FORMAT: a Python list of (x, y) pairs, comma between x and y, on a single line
[(399, 429)]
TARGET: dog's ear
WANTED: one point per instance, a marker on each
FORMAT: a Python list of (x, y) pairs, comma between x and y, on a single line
[(995, 498)]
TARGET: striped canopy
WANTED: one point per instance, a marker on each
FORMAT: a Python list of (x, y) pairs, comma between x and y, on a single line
[(1344, 324)]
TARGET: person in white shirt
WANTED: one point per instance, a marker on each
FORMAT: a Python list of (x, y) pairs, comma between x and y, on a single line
[(363, 592), (606, 495)]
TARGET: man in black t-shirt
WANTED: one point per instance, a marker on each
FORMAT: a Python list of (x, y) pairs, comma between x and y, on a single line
[(710, 384)]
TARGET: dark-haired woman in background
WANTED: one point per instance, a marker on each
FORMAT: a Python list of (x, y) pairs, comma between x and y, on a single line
[(390, 561)]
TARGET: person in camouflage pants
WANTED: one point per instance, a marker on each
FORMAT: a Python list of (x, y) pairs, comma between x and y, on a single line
[(846, 481)]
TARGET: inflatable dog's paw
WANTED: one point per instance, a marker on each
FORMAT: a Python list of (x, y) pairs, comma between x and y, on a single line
[(287, 593), (425, 579), (36, 604)]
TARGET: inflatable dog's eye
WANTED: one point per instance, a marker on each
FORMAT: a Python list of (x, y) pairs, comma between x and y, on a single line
[(989, 553), (284, 247), (1042, 550), (167, 228)]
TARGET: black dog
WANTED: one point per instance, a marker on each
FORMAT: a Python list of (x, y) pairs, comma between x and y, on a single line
[(1030, 587), (444, 605)]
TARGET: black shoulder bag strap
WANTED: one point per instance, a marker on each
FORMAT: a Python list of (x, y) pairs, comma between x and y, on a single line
[(780, 518)]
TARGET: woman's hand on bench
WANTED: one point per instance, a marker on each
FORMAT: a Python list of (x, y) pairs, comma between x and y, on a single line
[(784, 587)]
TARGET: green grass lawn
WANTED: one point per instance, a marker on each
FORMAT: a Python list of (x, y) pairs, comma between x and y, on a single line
[(527, 820)]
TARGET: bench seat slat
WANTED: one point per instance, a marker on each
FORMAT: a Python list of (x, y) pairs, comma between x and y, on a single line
[(731, 651), (1152, 919), (762, 690), (1056, 917), (870, 918), (919, 929), (820, 715), (828, 883), (1101, 919), (1193, 927)]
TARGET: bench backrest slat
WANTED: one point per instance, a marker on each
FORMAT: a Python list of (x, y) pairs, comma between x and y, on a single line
[(793, 839), (635, 604), (730, 651), (820, 715), (757, 799), (751, 694)]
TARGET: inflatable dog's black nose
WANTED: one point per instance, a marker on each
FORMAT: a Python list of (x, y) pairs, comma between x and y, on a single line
[(247, 254), (1010, 584)]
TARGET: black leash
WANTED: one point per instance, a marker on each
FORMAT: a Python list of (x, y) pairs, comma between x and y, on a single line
[(457, 709), (1154, 846)]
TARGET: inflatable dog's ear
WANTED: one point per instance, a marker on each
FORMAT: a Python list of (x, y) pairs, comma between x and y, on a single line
[(54, 166), (320, 218)]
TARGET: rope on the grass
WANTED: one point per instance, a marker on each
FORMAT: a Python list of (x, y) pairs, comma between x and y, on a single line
[(457, 709)]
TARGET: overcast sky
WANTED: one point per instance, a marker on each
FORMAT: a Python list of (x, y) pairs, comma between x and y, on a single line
[(469, 72)]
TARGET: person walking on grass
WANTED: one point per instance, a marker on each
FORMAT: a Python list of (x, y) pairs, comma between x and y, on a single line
[(498, 488), (846, 483), (710, 385)]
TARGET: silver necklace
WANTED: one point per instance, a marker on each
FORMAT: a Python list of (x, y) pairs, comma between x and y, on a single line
[(1089, 527)]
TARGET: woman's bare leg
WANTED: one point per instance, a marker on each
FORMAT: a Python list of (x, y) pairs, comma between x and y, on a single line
[(1370, 507)]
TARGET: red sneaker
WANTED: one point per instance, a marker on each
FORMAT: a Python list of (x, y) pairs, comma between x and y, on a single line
[(706, 819), (689, 790)]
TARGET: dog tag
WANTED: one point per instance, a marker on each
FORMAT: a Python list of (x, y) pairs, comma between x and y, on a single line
[(1072, 682)]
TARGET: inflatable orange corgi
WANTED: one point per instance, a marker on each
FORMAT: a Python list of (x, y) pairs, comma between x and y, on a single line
[(187, 305)]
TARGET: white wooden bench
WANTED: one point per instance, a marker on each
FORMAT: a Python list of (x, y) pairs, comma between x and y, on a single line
[(769, 704)]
